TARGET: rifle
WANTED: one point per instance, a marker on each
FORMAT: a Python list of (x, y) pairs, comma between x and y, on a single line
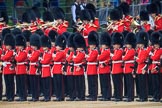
[(13, 61), (39, 65), (28, 61), (123, 63), (135, 64), (72, 66), (66, 63)]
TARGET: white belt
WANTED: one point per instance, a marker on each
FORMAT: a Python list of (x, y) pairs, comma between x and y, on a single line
[(46, 65), (120, 61), (101, 62), (92, 63), (85, 37), (57, 62), (34, 63), (7, 62), (155, 62), (21, 63), (70, 63), (130, 61), (77, 64)]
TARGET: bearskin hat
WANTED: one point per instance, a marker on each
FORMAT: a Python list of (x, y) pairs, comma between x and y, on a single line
[(27, 34), (66, 35), (9, 40), (28, 16), (3, 14), (93, 38), (155, 38), (61, 42), (130, 39), (36, 11), (90, 6), (115, 14), (125, 8), (58, 13), (16, 31), (35, 40), (85, 15), (79, 41), (105, 39), (144, 16), (20, 40), (47, 16), (149, 33), (142, 38), (117, 38), (4, 32), (45, 41), (52, 35), (40, 32), (153, 8), (125, 32), (70, 41)]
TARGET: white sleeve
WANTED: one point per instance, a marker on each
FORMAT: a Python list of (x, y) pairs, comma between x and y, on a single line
[(81, 7), (73, 9)]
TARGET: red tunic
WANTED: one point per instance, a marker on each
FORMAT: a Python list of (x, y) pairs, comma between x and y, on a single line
[(33, 60), (78, 61), (147, 27), (61, 28), (96, 23), (116, 27), (158, 23), (142, 57), (129, 61), (127, 23), (57, 67), (69, 60), (6, 58), (21, 58), (117, 62), (104, 58), (92, 62), (46, 60)]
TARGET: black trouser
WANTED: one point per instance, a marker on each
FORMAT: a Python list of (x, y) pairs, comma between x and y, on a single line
[(79, 86), (46, 83), (40, 85), (160, 85), (59, 86), (105, 83), (156, 86), (70, 86), (142, 85), (1, 86), (28, 85), (150, 89), (65, 85), (34, 86), (129, 85), (93, 86), (22, 89), (118, 85), (10, 86), (125, 87)]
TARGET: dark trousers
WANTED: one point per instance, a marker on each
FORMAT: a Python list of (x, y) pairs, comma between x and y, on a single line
[(93, 86), (1, 86), (79, 86), (34, 86), (10, 86), (28, 84), (46, 83), (22, 89), (105, 83), (65, 85), (156, 86), (161, 85), (142, 85), (125, 87), (150, 89), (70, 86), (59, 86), (118, 85), (129, 85)]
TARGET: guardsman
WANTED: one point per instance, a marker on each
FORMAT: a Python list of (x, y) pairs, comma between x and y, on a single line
[(104, 67), (154, 10), (128, 60), (86, 27), (116, 24), (117, 70), (70, 68), (94, 20), (3, 19), (78, 73), (33, 71), (45, 60), (1, 85), (144, 18), (155, 55), (142, 42), (57, 68), (21, 73), (60, 24), (91, 72), (127, 19), (8, 71)]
